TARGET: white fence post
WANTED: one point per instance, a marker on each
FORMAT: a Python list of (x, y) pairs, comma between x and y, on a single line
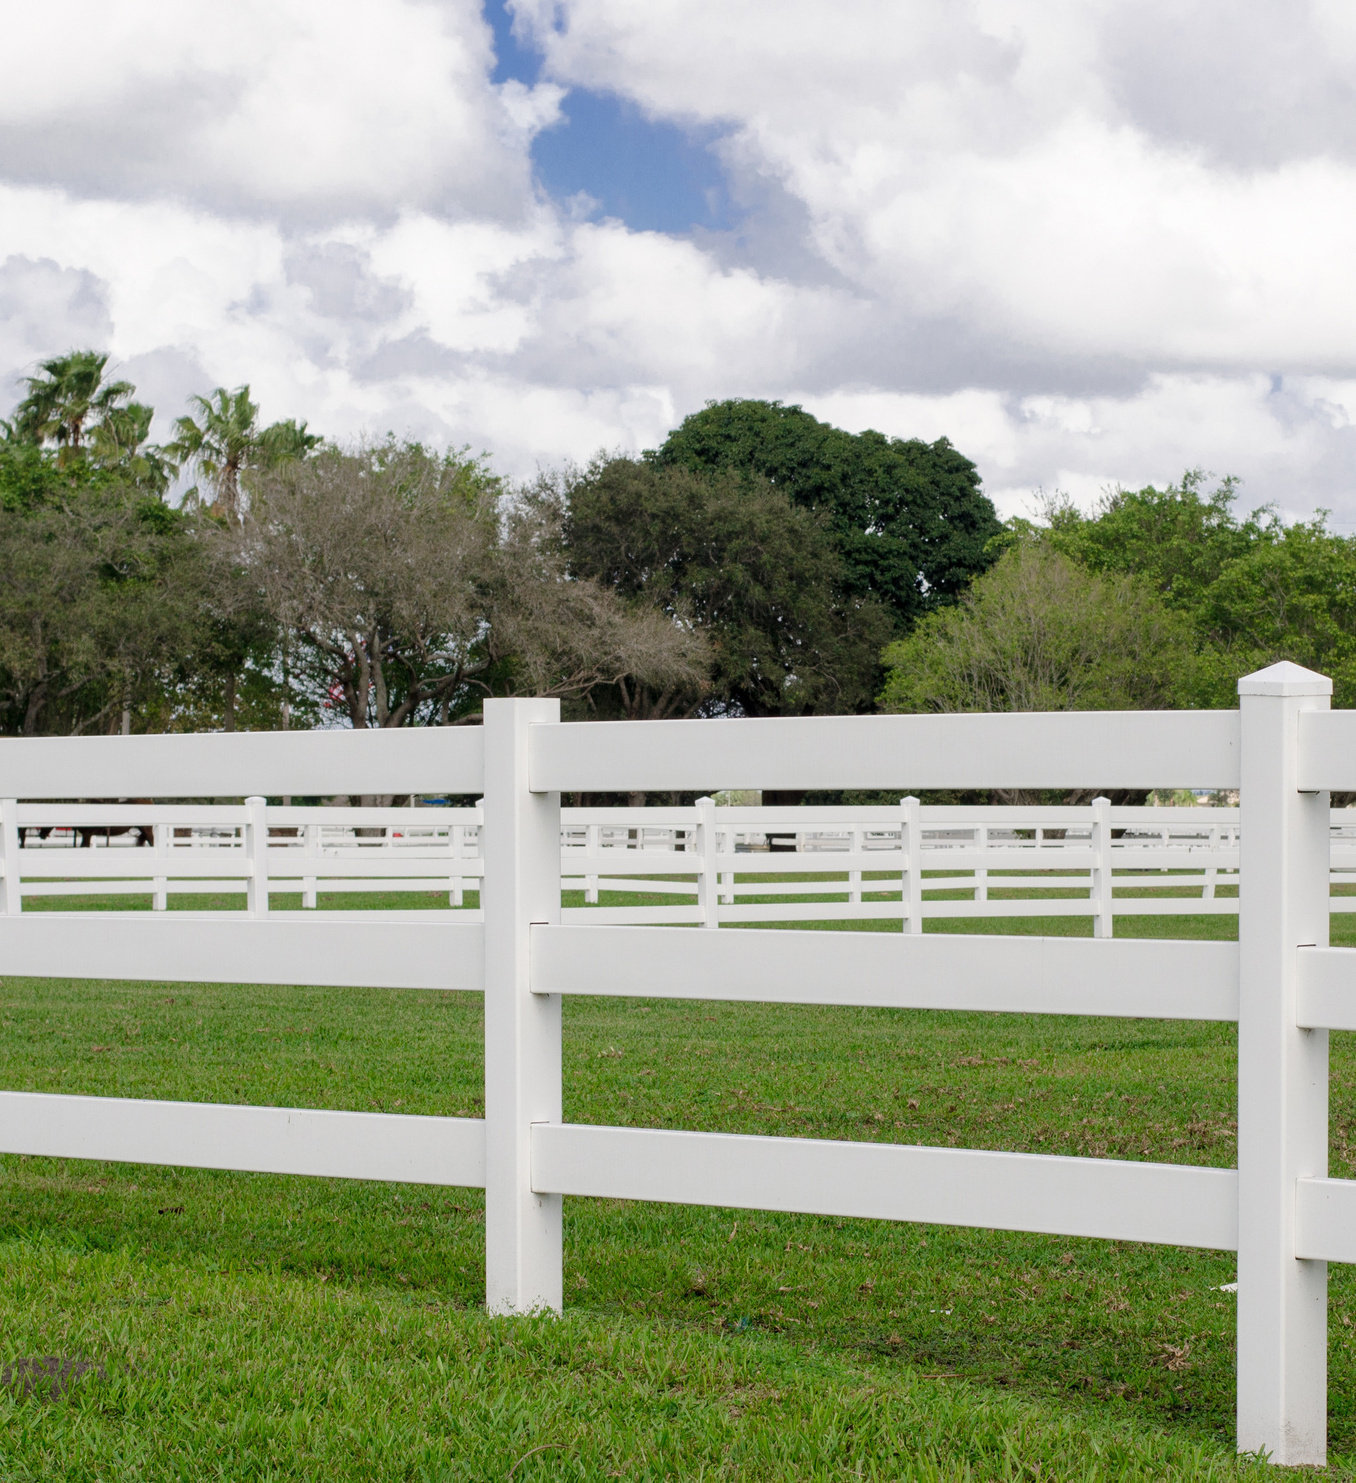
[(727, 877), (159, 883), (256, 853), (708, 882), (521, 852), (456, 838), (11, 893), (1101, 868), (854, 894), (592, 844), (311, 849), (1282, 1075), (911, 862)]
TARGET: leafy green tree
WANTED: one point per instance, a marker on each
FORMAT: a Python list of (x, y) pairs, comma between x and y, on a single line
[(1253, 589), (225, 441), (1291, 596), (1038, 632), (1179, 538), (97, 612), (30, 477), (910, 518), (71, 399), (731, 557)]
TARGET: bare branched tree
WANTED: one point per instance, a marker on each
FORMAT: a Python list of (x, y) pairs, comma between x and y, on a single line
[(413, 589)]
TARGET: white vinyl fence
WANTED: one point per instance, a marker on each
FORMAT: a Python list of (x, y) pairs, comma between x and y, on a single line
[(844, 864), (1280, 982)]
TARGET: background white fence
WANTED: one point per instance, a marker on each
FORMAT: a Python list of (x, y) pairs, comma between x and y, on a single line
[(1281, 982), (844, 863)]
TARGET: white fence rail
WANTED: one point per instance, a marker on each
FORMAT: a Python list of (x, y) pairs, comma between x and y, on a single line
[(1281, 983)]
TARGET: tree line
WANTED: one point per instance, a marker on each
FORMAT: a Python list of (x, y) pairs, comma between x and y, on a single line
[(758, 562)]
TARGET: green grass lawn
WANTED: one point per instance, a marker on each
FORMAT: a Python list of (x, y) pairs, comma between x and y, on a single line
[(255, 1327)]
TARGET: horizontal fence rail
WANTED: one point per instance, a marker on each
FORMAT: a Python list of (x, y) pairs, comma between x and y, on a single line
[(1276, 862), (261, 1140), (1113, 1199), (1326, 751), (1131, 749), (375, 950), (1014, 975), (236, 764)]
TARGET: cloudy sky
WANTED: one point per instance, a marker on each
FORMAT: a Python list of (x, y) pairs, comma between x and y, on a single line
[(1091, 241)]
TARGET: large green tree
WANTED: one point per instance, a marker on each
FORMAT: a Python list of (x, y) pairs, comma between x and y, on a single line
[(1038, 632), (98, 609), (731, 557), (1254, 589), (912, 523), (1180, 538)]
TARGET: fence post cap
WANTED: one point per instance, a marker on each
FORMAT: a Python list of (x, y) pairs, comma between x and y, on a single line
[(1285, 678)]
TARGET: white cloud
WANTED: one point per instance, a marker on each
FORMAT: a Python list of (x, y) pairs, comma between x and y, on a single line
[(300, 108), (980, 162), (1090, 243), (1294, 444)]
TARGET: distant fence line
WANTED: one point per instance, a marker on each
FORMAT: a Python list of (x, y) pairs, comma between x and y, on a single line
[(1096, 860)]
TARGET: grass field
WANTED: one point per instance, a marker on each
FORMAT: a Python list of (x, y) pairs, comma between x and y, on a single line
[(256, 1328)]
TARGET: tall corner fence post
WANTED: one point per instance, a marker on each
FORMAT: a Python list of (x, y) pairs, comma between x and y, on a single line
[(521, 886), (911, 863), (11, 891), (708, 881), (256, 857), (1102, 921), (1282, 1074)]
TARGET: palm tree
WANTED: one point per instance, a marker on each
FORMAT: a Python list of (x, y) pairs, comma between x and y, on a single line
[(69, 401), (227, 441), (221, 444), (120, 441), (283, 440)]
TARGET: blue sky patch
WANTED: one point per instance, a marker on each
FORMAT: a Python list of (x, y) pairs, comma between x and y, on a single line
[(652, 175)]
